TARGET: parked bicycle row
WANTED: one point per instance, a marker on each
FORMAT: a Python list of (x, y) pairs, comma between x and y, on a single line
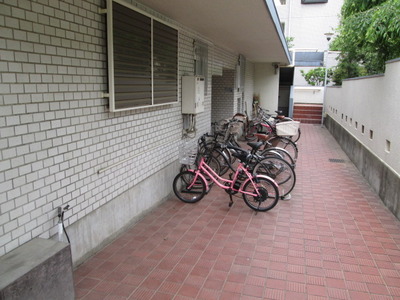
[(262, 171), (277, 124)]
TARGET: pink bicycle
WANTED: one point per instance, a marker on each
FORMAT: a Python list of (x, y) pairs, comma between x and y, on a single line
[(259, 192)]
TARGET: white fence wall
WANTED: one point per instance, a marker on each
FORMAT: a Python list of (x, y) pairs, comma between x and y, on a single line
[(308, 94), (369, 109)]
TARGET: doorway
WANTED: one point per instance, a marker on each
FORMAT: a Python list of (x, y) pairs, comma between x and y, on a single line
[(285, 82)]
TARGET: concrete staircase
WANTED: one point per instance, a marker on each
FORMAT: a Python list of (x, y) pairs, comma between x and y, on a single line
[(307, 113)]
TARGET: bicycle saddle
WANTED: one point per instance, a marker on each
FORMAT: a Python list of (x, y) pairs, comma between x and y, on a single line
[(262, 136)]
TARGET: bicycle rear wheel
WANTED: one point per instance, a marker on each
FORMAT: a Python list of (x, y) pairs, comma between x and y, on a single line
[(267, 193), (280, 171), (285, 143), (186, 189)]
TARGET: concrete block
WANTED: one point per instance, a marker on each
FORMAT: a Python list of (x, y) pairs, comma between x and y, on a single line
[(40, 269)]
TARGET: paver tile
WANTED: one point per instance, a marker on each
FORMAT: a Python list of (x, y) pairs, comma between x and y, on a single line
[(333, 240)]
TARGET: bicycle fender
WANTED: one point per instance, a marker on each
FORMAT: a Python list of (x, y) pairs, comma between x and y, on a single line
[(277, 149), (265, 177), (201, 176)]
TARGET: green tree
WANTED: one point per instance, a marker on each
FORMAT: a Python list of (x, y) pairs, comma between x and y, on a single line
[(316, 77), (368, 36), (290, 41)]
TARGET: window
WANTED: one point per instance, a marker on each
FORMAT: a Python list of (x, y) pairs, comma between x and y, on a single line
[(283, 2), (313, 1), (142, 58), (309, 59)]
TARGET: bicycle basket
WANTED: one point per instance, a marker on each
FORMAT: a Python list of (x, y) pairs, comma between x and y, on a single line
[(288, 128), (188, 152)]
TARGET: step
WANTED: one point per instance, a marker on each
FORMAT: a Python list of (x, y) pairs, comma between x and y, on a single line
[(309, 121), (314, 111), (310, 109), (306, 116)]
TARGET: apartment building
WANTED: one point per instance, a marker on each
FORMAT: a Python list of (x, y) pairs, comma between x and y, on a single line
[(310, 23)]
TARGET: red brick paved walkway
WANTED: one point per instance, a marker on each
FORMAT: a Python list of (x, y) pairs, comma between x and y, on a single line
[(333, 240)]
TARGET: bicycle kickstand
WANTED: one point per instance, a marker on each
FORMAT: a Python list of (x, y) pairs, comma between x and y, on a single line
[(230, 201)]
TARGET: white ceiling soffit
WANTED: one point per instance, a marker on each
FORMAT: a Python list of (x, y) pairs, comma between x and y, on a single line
[(249, 27)]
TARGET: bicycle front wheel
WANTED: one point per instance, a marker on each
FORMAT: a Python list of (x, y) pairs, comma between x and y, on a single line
[(263, 195), (188, 188)]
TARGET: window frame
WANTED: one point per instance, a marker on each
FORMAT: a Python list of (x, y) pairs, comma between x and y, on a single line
[(314, 1), (112, 92), (201, 55)]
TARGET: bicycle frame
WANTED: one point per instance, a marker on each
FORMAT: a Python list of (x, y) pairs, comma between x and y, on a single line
[(218, 180)]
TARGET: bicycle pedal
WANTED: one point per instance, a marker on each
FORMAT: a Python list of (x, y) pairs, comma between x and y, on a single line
[(230, 204)]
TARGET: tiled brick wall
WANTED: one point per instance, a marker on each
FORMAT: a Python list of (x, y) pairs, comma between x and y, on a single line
[(249, 89), (223, 90), (59, 144)]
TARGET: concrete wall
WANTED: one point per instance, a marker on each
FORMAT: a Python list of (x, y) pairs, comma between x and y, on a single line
[(363, 115), (308, 94), (266, 85), (39, 269), (369, 109)]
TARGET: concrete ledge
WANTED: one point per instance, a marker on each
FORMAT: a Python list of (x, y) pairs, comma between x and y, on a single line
[(40, 269), (384, 181), (96, 230)]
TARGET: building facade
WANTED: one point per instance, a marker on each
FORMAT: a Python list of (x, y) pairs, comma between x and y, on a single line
[(61, 143)]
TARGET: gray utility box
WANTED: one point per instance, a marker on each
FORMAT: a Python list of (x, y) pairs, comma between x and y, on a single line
[(192, 94)]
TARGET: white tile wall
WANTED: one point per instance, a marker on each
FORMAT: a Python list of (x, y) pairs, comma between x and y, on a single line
[(56, 132)]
